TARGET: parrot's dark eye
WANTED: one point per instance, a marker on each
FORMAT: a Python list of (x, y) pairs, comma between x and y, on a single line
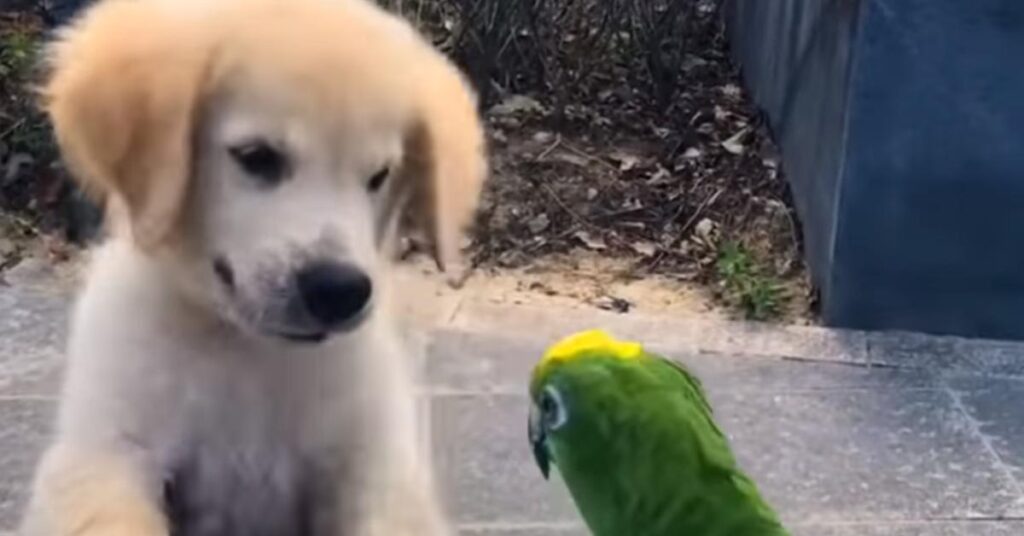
[(552, 410)]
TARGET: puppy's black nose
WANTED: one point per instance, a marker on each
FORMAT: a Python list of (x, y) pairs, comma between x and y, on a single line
[(333, 292)]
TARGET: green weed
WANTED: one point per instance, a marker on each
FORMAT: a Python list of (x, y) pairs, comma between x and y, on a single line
[(18, 51), (745, 283)]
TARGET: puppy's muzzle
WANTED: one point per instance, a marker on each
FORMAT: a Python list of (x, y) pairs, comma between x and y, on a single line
[(333, 294)]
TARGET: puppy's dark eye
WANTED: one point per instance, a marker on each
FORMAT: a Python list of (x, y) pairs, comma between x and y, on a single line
[(261, 161), (378, 179)]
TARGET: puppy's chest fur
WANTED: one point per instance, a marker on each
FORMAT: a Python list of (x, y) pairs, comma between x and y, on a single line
[(226, 493), (244, 462), (248, 445), (234, 490)]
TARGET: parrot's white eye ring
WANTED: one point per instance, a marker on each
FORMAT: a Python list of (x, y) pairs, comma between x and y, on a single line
[(552, 409)]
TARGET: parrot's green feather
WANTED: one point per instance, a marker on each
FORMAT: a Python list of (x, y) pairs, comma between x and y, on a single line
[(640, 450)]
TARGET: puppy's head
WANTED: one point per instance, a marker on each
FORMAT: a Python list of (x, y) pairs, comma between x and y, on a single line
[(263, 150)]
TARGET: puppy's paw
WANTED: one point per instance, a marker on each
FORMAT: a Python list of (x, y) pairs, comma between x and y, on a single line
[(84, 492), (408, 511), (121, 530), (66, 525), (406, 525), (457, 275)]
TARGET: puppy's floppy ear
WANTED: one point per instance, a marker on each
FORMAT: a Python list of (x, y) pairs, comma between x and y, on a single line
[(123, 97), (446, 154)]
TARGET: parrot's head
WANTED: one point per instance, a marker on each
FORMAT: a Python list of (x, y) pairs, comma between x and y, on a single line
[(568, 390)]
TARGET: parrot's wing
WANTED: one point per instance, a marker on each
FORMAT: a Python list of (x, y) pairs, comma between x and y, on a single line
[(694, 387), (689, 379), (690, 387)]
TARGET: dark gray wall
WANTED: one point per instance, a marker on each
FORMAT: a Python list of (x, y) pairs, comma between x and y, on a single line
[(900, 123), (796, 56)]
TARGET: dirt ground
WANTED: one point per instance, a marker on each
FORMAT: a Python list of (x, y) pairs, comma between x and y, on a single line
[(611, 196), (578, 280)]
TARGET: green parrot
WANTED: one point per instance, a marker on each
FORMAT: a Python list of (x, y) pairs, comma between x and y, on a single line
[(633, 437)]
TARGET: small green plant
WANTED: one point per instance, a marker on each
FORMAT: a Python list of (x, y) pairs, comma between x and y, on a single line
[(745, 284), (17, 55), (23, 128)]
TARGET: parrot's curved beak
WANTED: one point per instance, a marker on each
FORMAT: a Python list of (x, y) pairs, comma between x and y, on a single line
[(538, 440)]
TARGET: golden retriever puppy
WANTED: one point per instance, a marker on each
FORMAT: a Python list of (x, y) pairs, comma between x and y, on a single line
[(232, 367)]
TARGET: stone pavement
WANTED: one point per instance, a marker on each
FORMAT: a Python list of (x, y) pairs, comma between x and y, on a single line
[(849, 434)]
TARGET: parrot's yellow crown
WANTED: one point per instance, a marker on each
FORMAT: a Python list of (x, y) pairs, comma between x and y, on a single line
[(590, 342)]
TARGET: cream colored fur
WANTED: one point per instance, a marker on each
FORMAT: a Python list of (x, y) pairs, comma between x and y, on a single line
[(179, 391)]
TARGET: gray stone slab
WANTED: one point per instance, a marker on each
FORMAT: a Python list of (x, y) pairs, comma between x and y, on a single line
[(970, 528), (538, 530), (821, 457), (806, 342), (997, 407), (32, 333), (938, 528), (485, 465), (952, 355), (680, 333), (833, 457), (43, 384), (988, 357), (914, 350), (729, 373), (466, 362), (471, 362), (24, 430)]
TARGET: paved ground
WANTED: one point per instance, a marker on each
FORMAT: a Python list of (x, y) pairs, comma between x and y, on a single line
[(848, 433)]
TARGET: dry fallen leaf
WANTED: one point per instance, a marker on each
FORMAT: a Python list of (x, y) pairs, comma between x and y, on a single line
[(693, 153), (626, 161), (735, 143), (570, 158), (14, 165), (660, 176), (691, 62), (645, 248), (704, 231), (539, 223), (732, 91), (7, 248), (499, 136), (543, 137), (517, 104), (611, 303), (591, 241)]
